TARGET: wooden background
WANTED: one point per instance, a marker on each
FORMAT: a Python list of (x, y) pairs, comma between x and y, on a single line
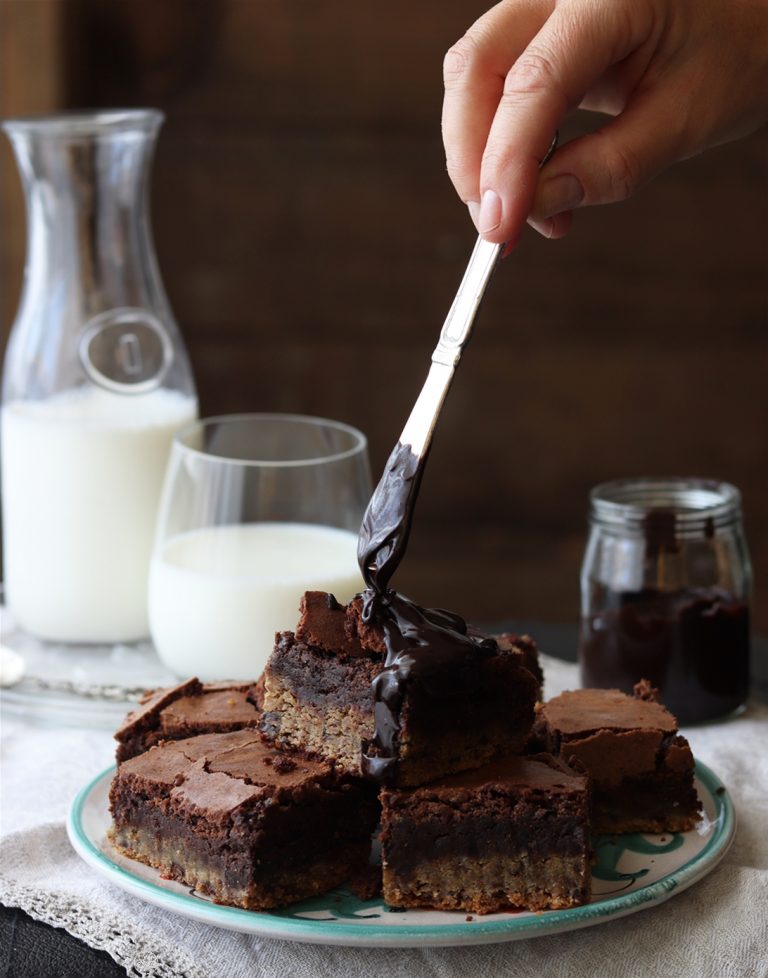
[(311, 244)]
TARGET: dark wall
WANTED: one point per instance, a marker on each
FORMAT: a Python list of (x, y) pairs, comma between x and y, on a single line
[(311, 244)]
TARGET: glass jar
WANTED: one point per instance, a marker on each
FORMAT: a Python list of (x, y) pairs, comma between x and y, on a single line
[(96, 381), (665, 589)]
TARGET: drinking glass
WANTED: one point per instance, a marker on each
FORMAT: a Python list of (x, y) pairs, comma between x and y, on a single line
[(256, 509)]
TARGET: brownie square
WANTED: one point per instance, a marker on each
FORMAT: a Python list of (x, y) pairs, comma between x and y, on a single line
[(529, 651), (640, 766), (187, 709), (241, 821), (318, 697), (513, 834)]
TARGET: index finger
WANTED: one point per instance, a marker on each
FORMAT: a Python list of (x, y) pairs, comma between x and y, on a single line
[(578, 42), (473, 73)]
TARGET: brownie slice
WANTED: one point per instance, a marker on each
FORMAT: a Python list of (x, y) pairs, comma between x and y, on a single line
[(529, 650), (190, 708), (513, 834), (241, 821), (318, 697), (641, 767)]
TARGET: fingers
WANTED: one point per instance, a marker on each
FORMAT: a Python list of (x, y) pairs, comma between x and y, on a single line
[(575, 47), (553, 227), (472, 90), (527, 63), (474, 71), (612, 163)]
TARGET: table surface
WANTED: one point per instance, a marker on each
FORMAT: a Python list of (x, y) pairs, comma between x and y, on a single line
[(31, 949)]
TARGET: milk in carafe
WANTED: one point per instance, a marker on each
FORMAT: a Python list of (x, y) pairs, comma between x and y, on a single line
[(82, 474)]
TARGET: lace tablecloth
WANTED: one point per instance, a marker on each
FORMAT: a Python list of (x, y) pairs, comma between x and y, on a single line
[(717, 928)]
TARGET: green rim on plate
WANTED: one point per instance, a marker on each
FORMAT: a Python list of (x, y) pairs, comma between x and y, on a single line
[(465, 930)]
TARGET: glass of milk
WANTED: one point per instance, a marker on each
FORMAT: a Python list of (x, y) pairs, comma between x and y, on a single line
[(256, 509)]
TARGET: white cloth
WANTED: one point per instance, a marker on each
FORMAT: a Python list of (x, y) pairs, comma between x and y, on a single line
[(717, 928)]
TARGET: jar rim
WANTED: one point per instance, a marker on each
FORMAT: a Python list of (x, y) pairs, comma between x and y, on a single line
[(692, 501)]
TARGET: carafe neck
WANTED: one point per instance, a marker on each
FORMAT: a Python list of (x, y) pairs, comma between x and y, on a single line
[(89, 244)]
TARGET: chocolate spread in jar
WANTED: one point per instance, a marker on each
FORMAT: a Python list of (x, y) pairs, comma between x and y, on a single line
[(693, 644)]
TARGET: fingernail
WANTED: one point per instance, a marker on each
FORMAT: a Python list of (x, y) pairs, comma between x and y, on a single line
[(474, 211), (545, 226), (559, 194), (489, 217)]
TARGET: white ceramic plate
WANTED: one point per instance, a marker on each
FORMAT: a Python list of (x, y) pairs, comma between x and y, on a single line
[(632, 872)]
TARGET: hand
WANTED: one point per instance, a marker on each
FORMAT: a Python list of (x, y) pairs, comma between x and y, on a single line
[(678, 75)]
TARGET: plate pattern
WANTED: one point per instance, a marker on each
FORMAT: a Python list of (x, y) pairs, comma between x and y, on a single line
[(630, 872)]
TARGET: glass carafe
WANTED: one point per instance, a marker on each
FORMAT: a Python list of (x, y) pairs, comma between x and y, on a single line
[(96, 381)]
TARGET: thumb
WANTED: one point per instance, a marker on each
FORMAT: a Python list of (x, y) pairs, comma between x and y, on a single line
[(610, 164)]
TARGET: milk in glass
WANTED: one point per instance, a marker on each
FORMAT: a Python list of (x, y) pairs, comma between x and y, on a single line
[(218, 594)]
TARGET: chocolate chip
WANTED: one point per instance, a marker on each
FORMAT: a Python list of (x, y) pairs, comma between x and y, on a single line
[(283, 764)]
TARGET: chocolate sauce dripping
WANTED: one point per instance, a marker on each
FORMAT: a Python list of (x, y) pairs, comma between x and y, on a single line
[(660, 529), (426, 645)]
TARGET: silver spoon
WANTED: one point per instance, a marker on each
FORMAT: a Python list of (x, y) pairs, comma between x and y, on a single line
[(387, 521)]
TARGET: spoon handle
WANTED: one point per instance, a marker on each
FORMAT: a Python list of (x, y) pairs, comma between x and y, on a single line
[(461, 316), (387, 520), (454, 335)]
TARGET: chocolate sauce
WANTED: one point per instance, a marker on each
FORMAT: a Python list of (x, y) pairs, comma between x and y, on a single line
[(426, 646), (692, 643), (660, 529), (423, 645), (388, 518)]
